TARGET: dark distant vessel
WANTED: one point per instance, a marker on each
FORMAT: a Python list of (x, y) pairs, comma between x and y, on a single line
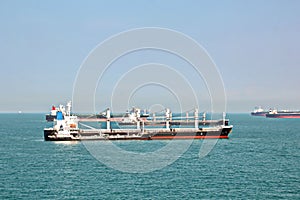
[(273, 113), (52, 115), (258, 111)]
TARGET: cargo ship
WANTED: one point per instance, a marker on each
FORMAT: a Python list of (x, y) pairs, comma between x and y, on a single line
[(132, 126), (258, 111), (273, 113)]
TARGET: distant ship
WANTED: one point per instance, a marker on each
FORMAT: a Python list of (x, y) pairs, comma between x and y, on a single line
[(258, 111), (273, 113)]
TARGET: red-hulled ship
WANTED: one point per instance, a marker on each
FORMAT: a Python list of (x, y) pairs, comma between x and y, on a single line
[(283, 114)]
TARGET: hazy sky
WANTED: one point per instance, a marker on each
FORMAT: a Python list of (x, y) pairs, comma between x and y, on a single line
[(255, 45)]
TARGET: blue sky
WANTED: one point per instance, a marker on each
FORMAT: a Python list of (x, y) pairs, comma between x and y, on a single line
[(255, 45)]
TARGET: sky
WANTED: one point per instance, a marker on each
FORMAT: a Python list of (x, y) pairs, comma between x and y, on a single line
[(254, 44)]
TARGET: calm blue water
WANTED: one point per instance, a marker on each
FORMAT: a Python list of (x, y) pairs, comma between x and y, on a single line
[(260, 160)]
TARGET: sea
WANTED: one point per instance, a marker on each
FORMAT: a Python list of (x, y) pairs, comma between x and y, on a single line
[(260, 160)]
